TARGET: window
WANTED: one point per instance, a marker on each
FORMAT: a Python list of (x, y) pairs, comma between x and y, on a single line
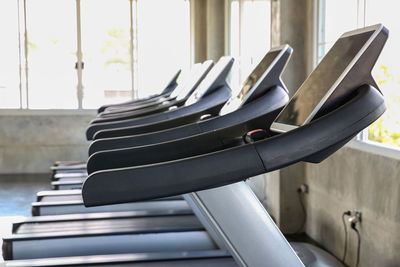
[(9, 54), (338, 16), (105, 34), (250, 23), (86, 53), (51, 51), (163, 42)]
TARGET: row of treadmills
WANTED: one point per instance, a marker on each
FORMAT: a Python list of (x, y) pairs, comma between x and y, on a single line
[(164, 184)]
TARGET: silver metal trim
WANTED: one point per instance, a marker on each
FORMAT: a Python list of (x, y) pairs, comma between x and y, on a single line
[(282, 128)]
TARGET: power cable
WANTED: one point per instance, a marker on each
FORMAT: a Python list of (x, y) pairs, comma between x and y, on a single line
[(345, 235), (299, 193), (353, 226)]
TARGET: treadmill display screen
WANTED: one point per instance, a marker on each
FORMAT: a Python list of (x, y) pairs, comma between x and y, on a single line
[(186, 77), (209, 80), (256, 74), (300, 108), (235, 102)]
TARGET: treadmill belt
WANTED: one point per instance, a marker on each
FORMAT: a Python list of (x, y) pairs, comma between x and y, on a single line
[(70, 175), (72, 180), (219, 262), (78, 197), (142, 225)]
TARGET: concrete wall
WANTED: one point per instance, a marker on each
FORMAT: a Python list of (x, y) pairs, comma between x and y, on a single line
[(30, 141), (350, 179), (356, 180)]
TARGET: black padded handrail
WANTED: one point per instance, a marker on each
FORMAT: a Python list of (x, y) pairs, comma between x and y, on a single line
[(210, 104), (258, 114), (164, 106), (311, 142), (165, 93)]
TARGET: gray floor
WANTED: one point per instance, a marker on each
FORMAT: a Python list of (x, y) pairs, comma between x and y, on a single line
[(18, 191)]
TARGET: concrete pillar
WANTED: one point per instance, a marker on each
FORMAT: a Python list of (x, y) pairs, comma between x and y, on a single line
[(208, 29), (275, 23), (198, 17), (215, 29), (295, 28), (291, 24)]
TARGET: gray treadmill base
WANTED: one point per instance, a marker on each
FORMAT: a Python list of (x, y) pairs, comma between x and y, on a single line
[(312, 256), (212, 258), (70, 170), (77, 197), (73, 195), (58, 176), (55, 208), (68, 184), (112, 244), (153, 224)]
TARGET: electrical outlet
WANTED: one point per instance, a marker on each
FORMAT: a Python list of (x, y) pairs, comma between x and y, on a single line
[(355, 217), (303, 188), (357, 214)]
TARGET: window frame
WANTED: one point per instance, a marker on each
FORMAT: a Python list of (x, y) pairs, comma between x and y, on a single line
[(23, 88)]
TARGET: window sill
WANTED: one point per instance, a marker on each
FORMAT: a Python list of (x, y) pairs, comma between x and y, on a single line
[(375, 148), (44, 112)]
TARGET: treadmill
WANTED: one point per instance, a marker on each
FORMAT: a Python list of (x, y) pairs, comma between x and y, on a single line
[(262, 82), (261, 98), (345, 104), (182, 92), (74, 181), (208, 98), (176, 98), (166, 92)]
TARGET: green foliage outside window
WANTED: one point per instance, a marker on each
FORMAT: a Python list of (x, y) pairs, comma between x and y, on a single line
[(116, 49), (387, 128)]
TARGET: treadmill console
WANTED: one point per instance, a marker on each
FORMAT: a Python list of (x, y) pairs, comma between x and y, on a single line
[(185, 78), (198, 74), (252, 86), (216, 75), (343, 60)]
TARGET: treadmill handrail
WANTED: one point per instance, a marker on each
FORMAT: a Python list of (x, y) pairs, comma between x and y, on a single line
[(210, 104), (136, 108), (172, 83), (165, 93), (215, 134), (256, 114), (262, 88), (192, 97), (175, 98), (312, 142), (139, 111)]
